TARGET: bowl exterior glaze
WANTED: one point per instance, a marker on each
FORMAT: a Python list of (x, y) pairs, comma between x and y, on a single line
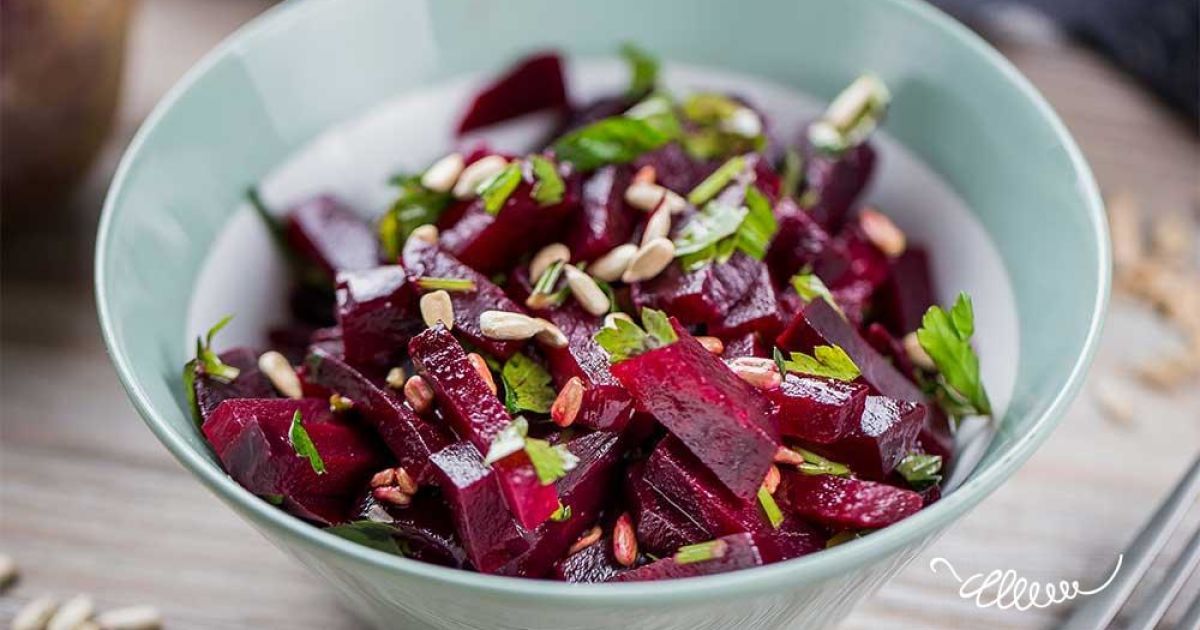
[(304, 66)]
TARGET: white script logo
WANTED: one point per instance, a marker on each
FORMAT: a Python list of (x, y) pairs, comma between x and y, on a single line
[(1005, 589)]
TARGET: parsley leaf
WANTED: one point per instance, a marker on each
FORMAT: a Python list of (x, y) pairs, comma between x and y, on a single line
[(714, 233), (509, 440), (526, 385), (551, 463), (810, 287), (626, 339), (946, 337), (373, 534), (714, 222), (708, 138), (495, 190), (770, 508), (826, 361), (759, 226), (920, 470), (563, 513), (816, 465), (415, 206), (717, 181), (208, 363), (615, 140), (465, 285), (643, 70), (701, 552), (303, 445), (658, 111), (548, 188)]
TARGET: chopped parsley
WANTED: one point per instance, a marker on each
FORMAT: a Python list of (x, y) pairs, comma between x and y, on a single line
[(708, 137), (415, 206), (810, 287), (701, 552), (846, 536), (626, 339), (551, 463), (548, 187), (615, 140), (920, 470), (719, 229), (946, 337), (770, 508), (563, 513), (643, 70), (373, 534), (207, 362), (303, 444), (527, 385), (816, 465), (544, 294), (826, 361), (463, 285), (496, 190), (717, 181)]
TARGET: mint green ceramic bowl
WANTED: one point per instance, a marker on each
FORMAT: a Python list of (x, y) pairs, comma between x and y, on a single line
[(959, 108)]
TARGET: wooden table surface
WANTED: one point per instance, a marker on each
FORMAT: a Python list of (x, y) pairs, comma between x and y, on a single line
[(90, 502)]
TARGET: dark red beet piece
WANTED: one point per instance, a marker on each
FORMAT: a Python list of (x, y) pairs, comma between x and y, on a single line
[(377, 314), (490, 242), (843, 503), (675, 168), (584, 491), (485, 527), (661, 527), (884, 433), (891, 348), (683, 482), (722, 419), (593, 111), (250, 382), (604, 220), (250, 437), (425, 528), (907, 293), (684, 295), (594, 563), (793, 538), (816, 409), (737, 551), (799, 242), (327, 233), (423, 259), (756, 312), (747, 345), (478, 416), (409, 437), (535, 83), (606, 405), (837, 181)]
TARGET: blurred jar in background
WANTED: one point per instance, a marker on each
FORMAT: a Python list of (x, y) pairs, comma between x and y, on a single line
[(60, 73)]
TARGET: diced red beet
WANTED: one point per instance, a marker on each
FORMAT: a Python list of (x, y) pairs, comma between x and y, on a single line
[(311, 303), (425, 527), (423, 259), (675, 168), (843, 503), (410, 438), (907, 293), (721, 418), (606, 405), (661, 527), (747, 345), (486, 528), (816, 409), (478, 416), (583, 490), (737, 551), (837, 181), (250, 382), (683, 482), (799, 242), (535, 83), (891, 348), (327, 233), (884, 433), (376, 312), (756, 312), (251, 438), (490, 242), (936, 436), (594, 563), (291, 341), (793, 538), (604, 220), (684, 295), (329, 340)]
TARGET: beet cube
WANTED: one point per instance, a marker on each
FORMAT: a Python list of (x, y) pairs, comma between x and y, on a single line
[(594, 563), (535, 83), (485, 527), (606, 405), (816, 409), (327, 233), (683, 482), (686, 295), (793, 538), (756, 312), (410, 438), (675, 168), (250, 382), (907, 293), (836, 181), (747, 345), (604, 220), (722, 419), (843, 503), (375, 310), (728, 553), (251, 438), (884, 433), (423, 259), (661, 527), (799, 242)]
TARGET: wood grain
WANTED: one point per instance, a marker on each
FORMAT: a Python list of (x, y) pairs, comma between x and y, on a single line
[(89, 501)]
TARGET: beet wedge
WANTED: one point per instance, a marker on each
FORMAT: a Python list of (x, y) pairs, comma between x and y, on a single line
[(661, 527), (728, 553), (604, 220), (376, 310), (842, 503), (721, 419), (794, 538), (325, 232), (409, 437), (425, 528), (756, 312), (836, 181), (885, 432), (251, 438), (594, 563), (535, 83), (423, 259), (907, 293), (684, 483), (485, 527), (817, 409), (250, 382), (478, 416)]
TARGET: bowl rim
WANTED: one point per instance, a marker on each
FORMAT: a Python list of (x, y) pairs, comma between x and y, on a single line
[(815, 567)]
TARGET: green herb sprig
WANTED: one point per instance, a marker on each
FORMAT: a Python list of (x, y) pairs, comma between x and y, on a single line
[(626, 339), (527, 386), (303, 444), (827, 361), (946, 338)]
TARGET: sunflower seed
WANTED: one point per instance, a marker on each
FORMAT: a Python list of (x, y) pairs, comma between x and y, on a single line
[(426, 233), (130, 618), (396, 377), (475, 174), (650, 260), (610, 266), (443, 173), (71, 614), (547, 256), (281, 374), (418, 393), (658, 226), (35, 614), (437, 306), (712, 344), (551, 335), (586, 539), (566, 405), (508, 326), (916, 353), (625, 547), (591, 297), (882, 232), (481, 367)]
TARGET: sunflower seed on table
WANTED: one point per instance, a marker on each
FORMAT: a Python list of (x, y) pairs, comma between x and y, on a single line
[(72, 613), (130, 618), (35, 614)]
